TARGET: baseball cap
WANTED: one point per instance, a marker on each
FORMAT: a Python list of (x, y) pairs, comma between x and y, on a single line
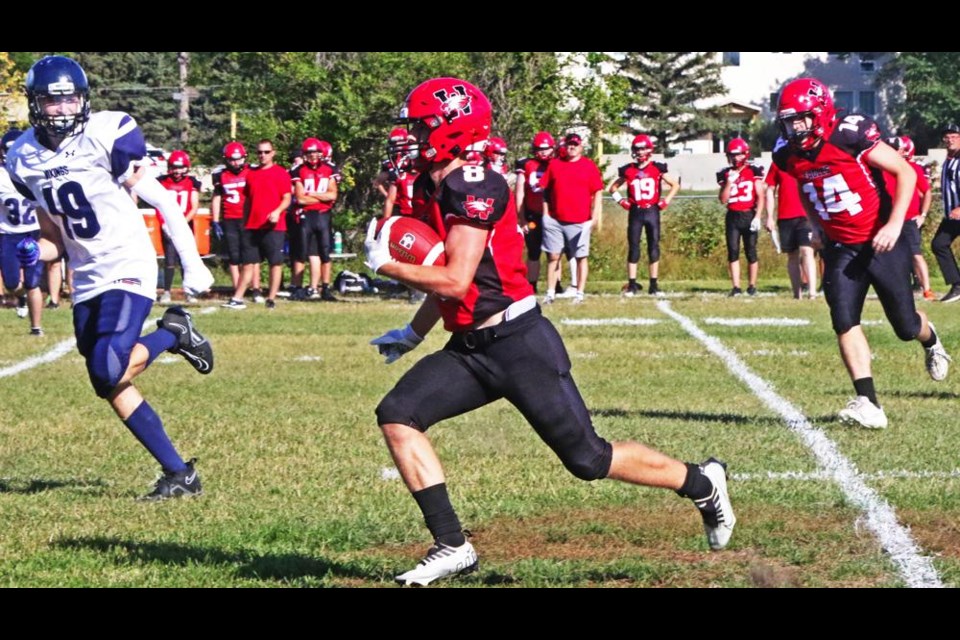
[(952, 127), (573, 138)]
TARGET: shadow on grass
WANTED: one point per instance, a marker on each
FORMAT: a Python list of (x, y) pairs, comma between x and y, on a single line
[(936, 395), (246, 564), (686, 416), (39, 485)]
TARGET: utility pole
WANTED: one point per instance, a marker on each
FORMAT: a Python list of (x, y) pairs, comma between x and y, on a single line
[(183, 58)]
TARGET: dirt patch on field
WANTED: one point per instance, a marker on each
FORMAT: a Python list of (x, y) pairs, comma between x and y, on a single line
[(936, 532)]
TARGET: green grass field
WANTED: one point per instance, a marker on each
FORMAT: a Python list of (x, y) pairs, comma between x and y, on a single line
[(300, 490)]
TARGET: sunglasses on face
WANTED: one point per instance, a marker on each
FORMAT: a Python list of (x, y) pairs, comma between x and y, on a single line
[(264, 152)]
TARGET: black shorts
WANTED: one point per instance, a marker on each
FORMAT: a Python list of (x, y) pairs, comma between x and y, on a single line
[(849, 270), (533, 237), (295, 237), (262, 244), (794, 233), (316, 235), (911, 235), (233, 239), (737, 226), (523, 360)]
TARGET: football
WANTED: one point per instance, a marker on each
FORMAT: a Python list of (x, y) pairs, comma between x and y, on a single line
[(413, 241)]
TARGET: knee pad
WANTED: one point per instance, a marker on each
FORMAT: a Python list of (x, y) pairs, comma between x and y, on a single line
[(910, 330), (106, 366), (654, 254), (394, 410), (733, 255), (633, 254), (588, 465)]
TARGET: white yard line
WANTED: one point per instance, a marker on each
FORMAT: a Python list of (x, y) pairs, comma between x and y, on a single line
[(59, 350), (757, 322), (617, 322), (916, 569)]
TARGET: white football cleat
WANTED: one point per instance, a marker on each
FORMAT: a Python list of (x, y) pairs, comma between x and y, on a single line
[(860, 411), (22, 312), (937, 360), (715, 509), (441, 561)]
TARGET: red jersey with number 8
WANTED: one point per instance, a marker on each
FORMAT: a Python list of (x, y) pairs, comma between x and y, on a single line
[(836, 180), (481, 198)]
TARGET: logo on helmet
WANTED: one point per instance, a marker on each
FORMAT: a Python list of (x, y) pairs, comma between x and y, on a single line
[(454, 105)]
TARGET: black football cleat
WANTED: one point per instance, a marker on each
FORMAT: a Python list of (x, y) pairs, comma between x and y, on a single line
[(191, 345), (180, 484)]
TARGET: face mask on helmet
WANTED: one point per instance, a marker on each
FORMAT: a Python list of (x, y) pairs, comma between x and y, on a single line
[(642, 147), (496, 151), (738, 151), (543, 145), (235, 156), (58, 96), (446, 117), (179, 164), (805, 112)]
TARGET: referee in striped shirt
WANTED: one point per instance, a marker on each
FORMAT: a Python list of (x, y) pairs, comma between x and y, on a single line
[(950, 227)]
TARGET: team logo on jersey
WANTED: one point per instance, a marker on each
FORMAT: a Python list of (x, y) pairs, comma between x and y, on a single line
[(454, 104), (478, 207), (407, 241)]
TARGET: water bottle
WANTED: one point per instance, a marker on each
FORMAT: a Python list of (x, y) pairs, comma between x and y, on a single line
[(338, 242)]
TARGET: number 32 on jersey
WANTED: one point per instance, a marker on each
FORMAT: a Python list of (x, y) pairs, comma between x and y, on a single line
[(837, 198)]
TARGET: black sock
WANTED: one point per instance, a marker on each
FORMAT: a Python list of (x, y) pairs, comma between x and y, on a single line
[(633, 282), (167, 278), (696, 486), (324, 287), (864, 387), (932, 341), (653, 283), (439, 515)]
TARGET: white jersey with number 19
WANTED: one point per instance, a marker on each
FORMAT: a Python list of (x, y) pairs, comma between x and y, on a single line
[(80, 185)]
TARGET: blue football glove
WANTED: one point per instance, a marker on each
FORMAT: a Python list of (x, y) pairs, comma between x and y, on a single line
[(28, 252), (218, 231), (397, 342)]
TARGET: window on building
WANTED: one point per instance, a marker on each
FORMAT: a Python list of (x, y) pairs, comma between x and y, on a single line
[(731, 58), (843, 100), (868, 62), (868, 103), (774, 100)]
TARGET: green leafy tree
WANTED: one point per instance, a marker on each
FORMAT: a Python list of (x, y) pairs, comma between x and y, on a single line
[(663, 88), (931, 98)]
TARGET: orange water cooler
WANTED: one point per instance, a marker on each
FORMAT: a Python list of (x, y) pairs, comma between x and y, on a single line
[(153, 228), (201, 230)]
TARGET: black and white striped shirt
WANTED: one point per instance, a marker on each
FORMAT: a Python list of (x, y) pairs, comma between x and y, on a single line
[(950, 184)]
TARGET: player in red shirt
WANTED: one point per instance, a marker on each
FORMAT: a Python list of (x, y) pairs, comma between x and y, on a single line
[(315, 189), (226, 206), (916, 212), (528, 195), (501, 346), (267, 196), (839, 164), (793, 229), (186, 189), (741, 190), (645, 202)]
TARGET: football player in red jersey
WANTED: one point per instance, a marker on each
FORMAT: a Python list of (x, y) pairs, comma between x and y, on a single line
[(186, 189), (644, 179), (916, 212), (315, 190), (839, 164), (226, 207), (501, 346), (793, 228), (528, 195), (741, 190)]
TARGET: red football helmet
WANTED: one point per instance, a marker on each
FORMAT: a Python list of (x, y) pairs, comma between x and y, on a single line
[(447, 116), (178, 160), (642, 146), (399, 134), (736, 147), (543, 144), (806, 97), (496, 147), (907, 148), (310, 145), (234, 151), (326, 150)]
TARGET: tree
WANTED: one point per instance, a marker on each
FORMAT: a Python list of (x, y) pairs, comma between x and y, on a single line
[(663, 89), (600, 97), (931, 100)]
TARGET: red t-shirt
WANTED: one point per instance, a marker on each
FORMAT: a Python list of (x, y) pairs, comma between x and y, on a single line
[(570, 187), (481, 198), (182, 189), (789, 205), (229, 186), (923, 185), (744, 196), (845, 191), (315, 180), (265, 189)]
